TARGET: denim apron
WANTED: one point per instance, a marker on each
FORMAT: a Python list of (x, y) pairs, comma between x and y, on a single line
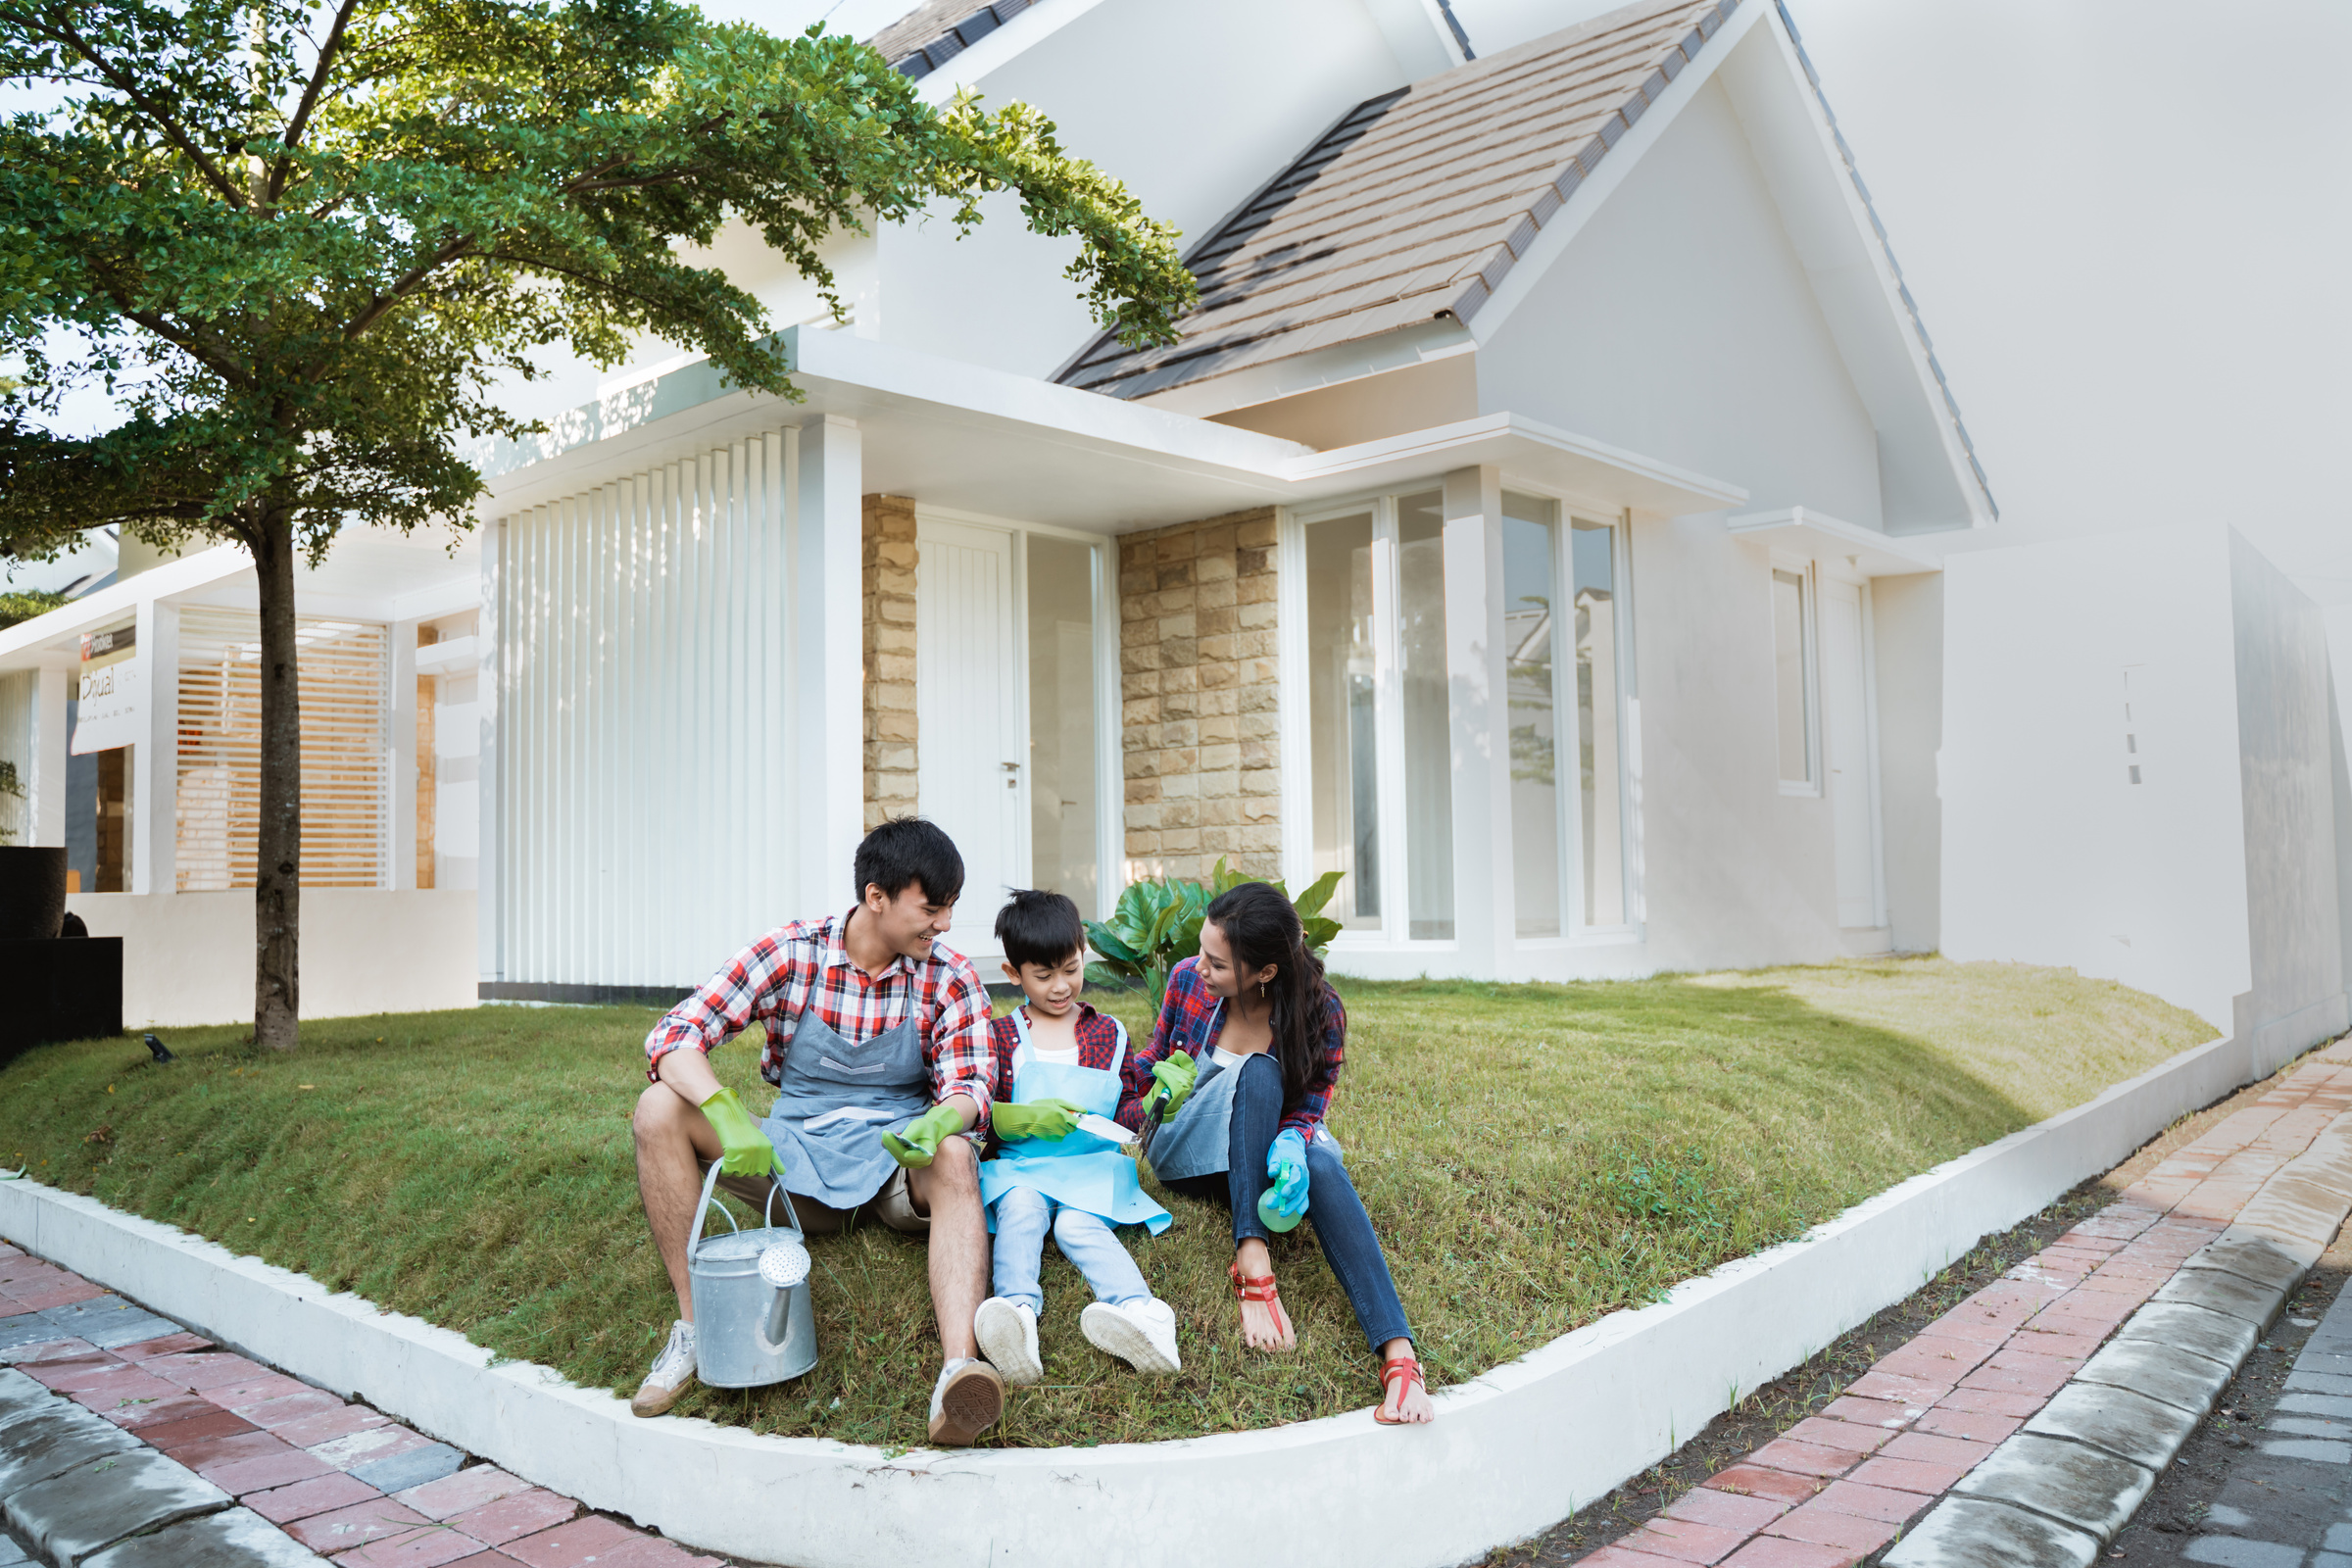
[(1077, 1170), (835, 1099), (1198, 1142)]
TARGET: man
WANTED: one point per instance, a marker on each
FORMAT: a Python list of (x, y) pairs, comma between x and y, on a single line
[(879, 1046)]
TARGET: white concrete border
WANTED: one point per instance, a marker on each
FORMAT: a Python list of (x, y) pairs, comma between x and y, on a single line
[(1512, 1453)]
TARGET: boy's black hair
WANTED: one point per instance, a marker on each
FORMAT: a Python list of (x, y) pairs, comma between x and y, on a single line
[(906, 850), (1040, 928)]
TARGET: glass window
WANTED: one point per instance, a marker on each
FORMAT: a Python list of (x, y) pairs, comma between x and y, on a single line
[(1341, 715), (1792, 679), (1428, 729), (1530, 637), (1598, 749), (1062, 850)]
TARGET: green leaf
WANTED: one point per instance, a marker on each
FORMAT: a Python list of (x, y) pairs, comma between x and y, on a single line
[(1319, 932), (1103, 939), (1317, 894)]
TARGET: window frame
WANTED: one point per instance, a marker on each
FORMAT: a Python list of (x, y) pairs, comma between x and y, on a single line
[(1808, 591)]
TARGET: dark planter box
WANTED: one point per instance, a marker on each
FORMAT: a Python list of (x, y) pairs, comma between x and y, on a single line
[(32, 892), (68, 989)]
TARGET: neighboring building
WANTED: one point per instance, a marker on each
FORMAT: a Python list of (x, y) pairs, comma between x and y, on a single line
[(1541, 522)]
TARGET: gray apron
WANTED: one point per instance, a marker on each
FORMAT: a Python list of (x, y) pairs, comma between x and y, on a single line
[(834, 1103), (1200, 1141)]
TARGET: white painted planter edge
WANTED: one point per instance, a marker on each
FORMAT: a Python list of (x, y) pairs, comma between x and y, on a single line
[(1512, 1453)]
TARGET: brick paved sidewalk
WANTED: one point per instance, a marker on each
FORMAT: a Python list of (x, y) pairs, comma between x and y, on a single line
[(348, 1482), (1840, 1485)]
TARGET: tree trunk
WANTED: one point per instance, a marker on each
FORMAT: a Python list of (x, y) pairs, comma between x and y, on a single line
[(277, 851)]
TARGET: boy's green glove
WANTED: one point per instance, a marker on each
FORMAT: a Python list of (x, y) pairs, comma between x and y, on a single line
[(1034, 1119), (1173, 1079), (744, 1149), (920, 1143)]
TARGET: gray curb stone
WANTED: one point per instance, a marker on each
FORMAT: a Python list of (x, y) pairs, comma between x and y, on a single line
[(2225, 1293), (94, 1505), (237, 1539), (2130, 1426), (1964, 1533), (13, 1555), (49, 1442), (2093, 1491), (2215, 1336), (2249, 1257), (20, 1396), (2185, 1382)]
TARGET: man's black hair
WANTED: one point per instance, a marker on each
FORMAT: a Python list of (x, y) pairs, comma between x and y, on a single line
[(906, 850), (1040, 928)]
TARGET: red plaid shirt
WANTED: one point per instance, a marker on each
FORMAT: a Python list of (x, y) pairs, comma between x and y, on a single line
[(803, 966), (1191, 1019), (1102, 1046)]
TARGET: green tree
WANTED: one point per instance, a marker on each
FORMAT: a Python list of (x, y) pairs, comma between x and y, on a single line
[(301, 245)]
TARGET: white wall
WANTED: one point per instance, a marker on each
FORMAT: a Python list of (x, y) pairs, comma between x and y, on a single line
[(1908, 617), (187, 957)]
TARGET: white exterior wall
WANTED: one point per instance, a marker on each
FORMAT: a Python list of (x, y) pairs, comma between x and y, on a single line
[(1909, 615)]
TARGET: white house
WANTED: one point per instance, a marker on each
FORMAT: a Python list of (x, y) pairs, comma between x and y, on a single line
[(1542, 521)]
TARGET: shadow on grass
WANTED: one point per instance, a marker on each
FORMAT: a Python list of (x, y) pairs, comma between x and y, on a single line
[(1534, 1155)]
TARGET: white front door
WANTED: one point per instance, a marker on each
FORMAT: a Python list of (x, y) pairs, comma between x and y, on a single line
[(1847, 743), (968, 708)]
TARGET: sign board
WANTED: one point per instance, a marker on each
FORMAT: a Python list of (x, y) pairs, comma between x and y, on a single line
[(113, 708)]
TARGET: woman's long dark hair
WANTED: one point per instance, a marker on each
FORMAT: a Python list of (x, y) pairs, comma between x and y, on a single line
[(1262, 929)]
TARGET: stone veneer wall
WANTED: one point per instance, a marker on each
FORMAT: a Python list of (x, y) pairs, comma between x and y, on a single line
[(1197, 662), (888, 567)]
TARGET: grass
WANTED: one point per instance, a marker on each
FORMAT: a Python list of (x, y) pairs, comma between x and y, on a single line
[(1534, 1155)]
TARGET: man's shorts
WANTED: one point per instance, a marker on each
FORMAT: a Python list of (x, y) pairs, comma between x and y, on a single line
[(891, 1206)]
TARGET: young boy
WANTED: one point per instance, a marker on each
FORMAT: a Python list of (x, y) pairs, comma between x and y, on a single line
[(1058, 1060)]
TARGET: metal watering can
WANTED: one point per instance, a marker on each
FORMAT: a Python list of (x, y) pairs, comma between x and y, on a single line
[(754, 1322)]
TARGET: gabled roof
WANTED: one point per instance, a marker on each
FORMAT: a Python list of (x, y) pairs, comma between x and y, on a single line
[(1417, 202), (938, 30)]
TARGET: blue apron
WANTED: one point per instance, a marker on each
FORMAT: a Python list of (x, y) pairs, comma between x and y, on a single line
[(1078, 1170), (1198, 1142), (835, 1099)]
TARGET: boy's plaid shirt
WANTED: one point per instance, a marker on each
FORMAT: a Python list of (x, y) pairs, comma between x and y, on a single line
[(803, 966), (1189, 1021), (1102, 1045)]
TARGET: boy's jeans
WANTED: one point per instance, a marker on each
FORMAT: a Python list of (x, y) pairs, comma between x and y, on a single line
[(1022, 1217)]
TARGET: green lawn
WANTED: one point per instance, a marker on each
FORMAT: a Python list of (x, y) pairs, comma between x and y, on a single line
[(1534, 1155)]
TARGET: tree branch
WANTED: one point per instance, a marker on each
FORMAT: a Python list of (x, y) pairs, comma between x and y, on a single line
[(126, 86), (310, 101)]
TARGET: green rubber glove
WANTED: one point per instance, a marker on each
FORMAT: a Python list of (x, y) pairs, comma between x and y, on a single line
[(920, 1143), (744, 1149), (1034, 1119), (1173, 1080)]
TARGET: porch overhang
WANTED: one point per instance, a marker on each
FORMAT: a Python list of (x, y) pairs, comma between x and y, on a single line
[(1821, 537)]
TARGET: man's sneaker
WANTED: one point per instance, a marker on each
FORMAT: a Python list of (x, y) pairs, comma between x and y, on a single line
[(1007, 1336), (673, 1373), (1142, 1334), (965, 1403)]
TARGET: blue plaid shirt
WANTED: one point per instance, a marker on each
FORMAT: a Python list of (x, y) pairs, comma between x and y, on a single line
[(1191, 1019)]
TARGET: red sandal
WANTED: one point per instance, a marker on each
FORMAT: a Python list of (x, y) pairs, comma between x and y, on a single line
[(1395, 1370), (1260, 1288)]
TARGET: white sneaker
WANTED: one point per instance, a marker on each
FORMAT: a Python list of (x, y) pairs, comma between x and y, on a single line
[(1142, 1334), (1007, 1336), (673, 1373)]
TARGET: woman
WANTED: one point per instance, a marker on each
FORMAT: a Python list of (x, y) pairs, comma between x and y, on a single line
[(1268, 1035)]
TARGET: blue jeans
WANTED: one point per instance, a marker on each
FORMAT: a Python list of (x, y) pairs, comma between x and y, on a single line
[(1342, 1227), (1023, 1215)]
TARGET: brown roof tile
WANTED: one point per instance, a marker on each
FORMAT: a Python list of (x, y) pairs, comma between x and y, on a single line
[(938, 30), (1417, 202)]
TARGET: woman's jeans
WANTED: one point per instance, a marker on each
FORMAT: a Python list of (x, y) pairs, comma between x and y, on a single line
[(1342, 1227)]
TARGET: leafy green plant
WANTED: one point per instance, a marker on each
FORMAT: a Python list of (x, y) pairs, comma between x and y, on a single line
[(1666, 1190), (1156, 925)]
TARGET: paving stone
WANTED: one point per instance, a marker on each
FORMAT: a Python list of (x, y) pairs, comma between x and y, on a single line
[(125, 1389), (185, 1427), (2091, 1490), (20, 1394), (356, 1525), (13, 1555), (2183, 1381), (1825, 1525), (1963, 1533), (1975, 1426), (267, 1471), (319, 1494), (1762, 1481), (227, 1448), (1873, 1503), (1847, 1436), (26, 1353), (411, 1468), (2130, 1426), (54, 1441), (1804, 1459), (585, 1540), (235, 1538), (1890, 1413), (471, 1489), (2232, 1552), (313, 1430), (252, 1390), (95, 1505), (2326, 1404), (2218, 1292), (1909, 1475), (199, 1370), (432, 1546), (366, 1447), (1705, 1505), (1935, 1450), (1770, 1551), (1876, 1385), (28, 1328), (2319, 1382), (529, 1512), (1683, 1539), (66, 1373), (175, 1344), (2314, 1449), (1991, 1402), (2307, 1426)]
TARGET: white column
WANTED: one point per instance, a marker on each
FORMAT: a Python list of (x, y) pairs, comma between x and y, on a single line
[(402, 872), (45, 790), (155, 759), (828, 661), (490, 889), (1479, 713)]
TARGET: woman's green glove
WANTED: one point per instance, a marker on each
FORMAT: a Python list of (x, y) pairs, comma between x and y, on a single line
[(920, 1143), (743, 1148), (1173, 1078), (1034, 1119)]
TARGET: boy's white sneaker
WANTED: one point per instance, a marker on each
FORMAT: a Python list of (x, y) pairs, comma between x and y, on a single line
[(1007, 1336), (1142, 1334)]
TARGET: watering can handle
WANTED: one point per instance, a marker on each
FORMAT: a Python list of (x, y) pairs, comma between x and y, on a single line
[(767, 1212)]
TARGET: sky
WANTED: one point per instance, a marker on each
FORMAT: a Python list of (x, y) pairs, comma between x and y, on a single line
[(2126, 228)]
